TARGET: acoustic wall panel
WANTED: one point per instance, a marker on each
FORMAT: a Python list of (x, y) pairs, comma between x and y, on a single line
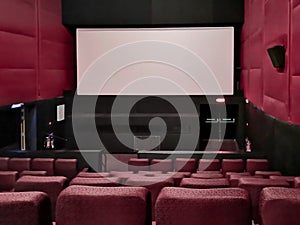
[(294, 62), (18, 51), (36, 54), (56, 72)]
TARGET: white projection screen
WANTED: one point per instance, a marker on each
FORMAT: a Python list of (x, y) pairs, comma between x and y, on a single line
[(155, 61)]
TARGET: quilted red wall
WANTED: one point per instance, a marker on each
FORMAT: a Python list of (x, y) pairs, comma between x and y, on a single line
[(36, 53), (269, 23)]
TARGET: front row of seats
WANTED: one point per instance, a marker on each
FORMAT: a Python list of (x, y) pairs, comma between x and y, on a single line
[(78, 205)]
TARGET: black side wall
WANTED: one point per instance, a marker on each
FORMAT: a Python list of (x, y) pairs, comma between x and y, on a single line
[(279, 140)]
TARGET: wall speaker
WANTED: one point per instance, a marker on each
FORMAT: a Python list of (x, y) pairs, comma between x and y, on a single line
[(277, 55)]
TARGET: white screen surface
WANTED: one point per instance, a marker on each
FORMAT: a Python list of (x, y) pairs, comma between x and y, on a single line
[(165, 61)]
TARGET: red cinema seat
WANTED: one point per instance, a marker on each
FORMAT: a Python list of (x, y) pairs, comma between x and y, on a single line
[(280, 206), (267, 174), (33, 173), (27, 208), (99, 182), (232, 165), (136, 165), (297, 182), (209, 165), (185, 165), (93, 175), (204, 183), (51, 185), (234, 178), (153, 184), (289, 179), (8, 180), (78, 205), (254, 187), (66, 168), (19, 164), (43, 164), (253, 165), (180, 206), (122, 175), (207, 175), (164, 165), (228, 174), (4, 163), (178, 176)]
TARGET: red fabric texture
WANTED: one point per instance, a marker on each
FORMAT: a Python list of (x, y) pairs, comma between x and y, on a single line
[(33, 173), (185, 165), (267, 174), (135, 164), (19, 164), (297, 182), (4, 163), (254, 187), (178, 206), (8, 180), (153, 184), (100, 182), (66, 168), (164, 165), (204, 183), (289, 179), (232, 165), (93, 175), (280, 206), (27, 208), (51, 185), (253, 165), (46, 164), (209, 165), (207, 175), (78, 205)]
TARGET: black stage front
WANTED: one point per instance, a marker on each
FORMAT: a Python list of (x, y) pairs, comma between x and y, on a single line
[(199, 154)]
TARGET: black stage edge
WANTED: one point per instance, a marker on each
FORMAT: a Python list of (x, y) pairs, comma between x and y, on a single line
[(200, 154), (94, 157)]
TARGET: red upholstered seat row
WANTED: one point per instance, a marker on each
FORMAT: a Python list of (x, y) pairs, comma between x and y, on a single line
[(63, 167), (12, 168), (77, 205), (191, 165)]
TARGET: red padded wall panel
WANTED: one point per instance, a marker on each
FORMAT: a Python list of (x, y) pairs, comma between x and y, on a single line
[(18, 51), (55, 51), (255, 86), (18, 17), (276, 85), (35, 48), (295, 63), (17, 85)]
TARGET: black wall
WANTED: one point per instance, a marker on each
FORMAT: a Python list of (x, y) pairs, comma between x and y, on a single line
[(10, 128), (120, 13), (151, 107), (278, 139)]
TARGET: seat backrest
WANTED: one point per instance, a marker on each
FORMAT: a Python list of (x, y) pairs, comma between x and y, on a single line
[(46, 164), (66, 168), (19, 164), (253, 165), (164, 165), (185, 165), (25, 208), (4, 163), (179, 206), (104, 205), (209, 165), (135, 164), (232, 165)]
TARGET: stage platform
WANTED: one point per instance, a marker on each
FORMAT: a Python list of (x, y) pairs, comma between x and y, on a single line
[(200, 154)]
